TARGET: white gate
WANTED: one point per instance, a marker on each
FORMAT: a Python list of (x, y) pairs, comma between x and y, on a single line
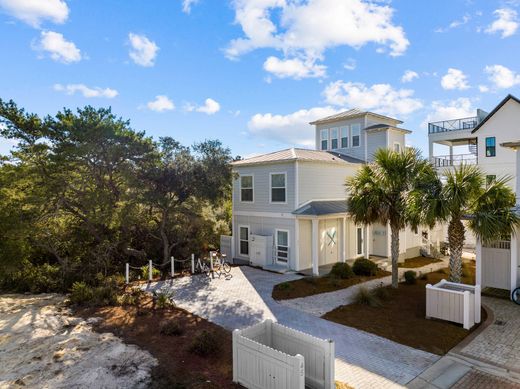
[(226, 243), (496, 265)]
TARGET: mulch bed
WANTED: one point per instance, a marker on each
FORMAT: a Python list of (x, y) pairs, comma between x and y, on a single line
[(401, 317), (418, 262), (309, 286), (178, 366)]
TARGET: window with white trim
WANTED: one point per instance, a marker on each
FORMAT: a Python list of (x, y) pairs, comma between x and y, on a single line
[(324, 139), (356, 135), (344, 137), (359, 240), (282, 245), (246, 189), (278, 188), (334, 138), (397, 147), (244, 240)]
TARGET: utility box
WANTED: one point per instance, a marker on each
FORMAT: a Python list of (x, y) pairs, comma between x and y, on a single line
[(261, 251)]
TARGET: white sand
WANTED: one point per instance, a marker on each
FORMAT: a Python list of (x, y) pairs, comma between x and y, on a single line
[(43, 346)]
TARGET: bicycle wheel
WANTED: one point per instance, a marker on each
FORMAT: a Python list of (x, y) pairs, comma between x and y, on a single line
[(227, 267), (515, 296)]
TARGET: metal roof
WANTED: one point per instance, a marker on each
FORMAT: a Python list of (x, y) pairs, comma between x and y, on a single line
[(295, 154), (351, 113), (322, 207)]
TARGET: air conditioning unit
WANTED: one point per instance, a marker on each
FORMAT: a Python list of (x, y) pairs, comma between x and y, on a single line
[(261, 250)]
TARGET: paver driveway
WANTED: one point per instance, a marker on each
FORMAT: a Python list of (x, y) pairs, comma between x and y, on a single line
[(363, 360)]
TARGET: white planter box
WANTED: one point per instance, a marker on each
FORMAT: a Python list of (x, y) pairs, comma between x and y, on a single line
[(269, 355), (459, 303)]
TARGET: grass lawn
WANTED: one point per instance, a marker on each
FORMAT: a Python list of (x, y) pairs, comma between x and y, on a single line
[(309, 286), (401, 317), (178, 366), (418, 262)]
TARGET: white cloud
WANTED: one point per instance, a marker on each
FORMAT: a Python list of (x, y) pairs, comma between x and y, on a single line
[(409, 76), (454, 79), (59, 49), (305, 30), (143, 51), (506, 22), (34, 12), (293, 128), (210, 107), (160, 104), (380, 98), (187, 4), (483, 88), (294, 68), (456, 23), (454, 109), (86, 91), (351, 64), (502, 77)]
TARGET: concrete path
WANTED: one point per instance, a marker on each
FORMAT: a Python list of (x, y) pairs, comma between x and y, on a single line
[(320, 304), (363, 360)]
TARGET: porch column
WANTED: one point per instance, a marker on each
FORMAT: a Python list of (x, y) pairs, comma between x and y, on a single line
[(451, 155), (343, 239), (367, 241), (514, 261), (478, 263), (315, 243)]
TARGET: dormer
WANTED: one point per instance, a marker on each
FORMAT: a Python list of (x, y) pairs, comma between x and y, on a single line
[(358, 133)]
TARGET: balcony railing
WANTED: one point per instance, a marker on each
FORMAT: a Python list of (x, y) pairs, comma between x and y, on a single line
[(454, 160), (452, 125)]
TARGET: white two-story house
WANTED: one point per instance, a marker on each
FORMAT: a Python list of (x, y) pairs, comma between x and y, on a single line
[(289, 207)]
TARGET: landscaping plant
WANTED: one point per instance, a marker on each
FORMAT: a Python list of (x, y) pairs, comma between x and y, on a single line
[(410, 277), (364, 267), (341, 270), (206, 343)]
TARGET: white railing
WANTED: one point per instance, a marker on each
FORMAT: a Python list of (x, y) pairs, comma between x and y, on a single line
[(270, 355), (458, 303), (498, 244), (454, 160), (453, 125)]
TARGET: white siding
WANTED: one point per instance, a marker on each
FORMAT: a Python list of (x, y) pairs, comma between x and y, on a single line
[(356, 152), (375, 141)]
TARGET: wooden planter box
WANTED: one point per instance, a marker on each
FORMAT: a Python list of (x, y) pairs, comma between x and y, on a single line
[(459, 303), (270, 355)]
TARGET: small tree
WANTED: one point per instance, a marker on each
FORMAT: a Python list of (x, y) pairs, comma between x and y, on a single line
[(392, 190), (489, 209)]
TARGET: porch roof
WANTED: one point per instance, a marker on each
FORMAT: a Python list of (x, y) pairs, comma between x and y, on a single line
[(322, 207)]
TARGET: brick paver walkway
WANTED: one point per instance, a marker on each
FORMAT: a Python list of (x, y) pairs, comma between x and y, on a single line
[(498, 344), (479, 380), (363, 360)]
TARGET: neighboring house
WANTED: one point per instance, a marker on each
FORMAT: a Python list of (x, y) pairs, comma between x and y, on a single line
[(492, 141), (289, 206)]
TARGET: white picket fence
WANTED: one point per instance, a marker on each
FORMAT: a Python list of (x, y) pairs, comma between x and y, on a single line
[(270, 355), (459, 303)]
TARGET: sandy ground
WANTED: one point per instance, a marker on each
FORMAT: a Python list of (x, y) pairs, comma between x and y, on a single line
[(43, 346)]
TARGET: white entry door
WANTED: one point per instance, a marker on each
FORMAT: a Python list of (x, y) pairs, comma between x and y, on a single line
[(329, 241)]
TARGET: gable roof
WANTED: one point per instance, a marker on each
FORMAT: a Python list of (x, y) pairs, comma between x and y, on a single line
[(322, 207), (376, 127), (295, 154), (350, 114), (497, 108)]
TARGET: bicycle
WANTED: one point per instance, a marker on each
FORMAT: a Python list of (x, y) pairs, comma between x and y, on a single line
[(515, 296), (221, 265), (202, 267)]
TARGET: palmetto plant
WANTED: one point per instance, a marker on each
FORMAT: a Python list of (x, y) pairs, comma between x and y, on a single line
[(397, 188), (488, 209)]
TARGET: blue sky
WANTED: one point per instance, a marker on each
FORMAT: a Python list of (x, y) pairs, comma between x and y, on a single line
[(252, 73)]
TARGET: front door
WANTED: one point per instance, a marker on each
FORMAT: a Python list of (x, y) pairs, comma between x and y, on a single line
[(329, 241), (282, 246)]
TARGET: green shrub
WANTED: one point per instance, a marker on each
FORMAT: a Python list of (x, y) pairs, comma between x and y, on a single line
[(144, 272), (206, 343), (171, 328), (81, 293), (381, 292), (164, 299), (364, 267), (364, 296), (32, 278), (341, 270), (127, 299), (410, 277)]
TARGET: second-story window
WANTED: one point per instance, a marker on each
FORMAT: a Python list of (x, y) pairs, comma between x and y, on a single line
[(278, 188), (356, 135), (491, 149), (334, 138), (246, 189), (344, 137), (324, 138)]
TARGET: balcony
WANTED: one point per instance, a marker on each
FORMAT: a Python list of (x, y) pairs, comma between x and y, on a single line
[(454, 160), (453, 125)]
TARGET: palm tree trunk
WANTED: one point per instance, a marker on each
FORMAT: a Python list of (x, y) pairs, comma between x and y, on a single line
[(394, 248), (456, 232)]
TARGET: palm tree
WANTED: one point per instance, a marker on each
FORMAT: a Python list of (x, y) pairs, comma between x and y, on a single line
[(488, 207), (392, 190)]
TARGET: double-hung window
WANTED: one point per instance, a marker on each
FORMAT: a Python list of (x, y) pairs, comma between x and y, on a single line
[(246, 189), (324, 138), (491, 149), (282, 245), (344, 137), (356, 135), (334, 138), (278, 188)]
